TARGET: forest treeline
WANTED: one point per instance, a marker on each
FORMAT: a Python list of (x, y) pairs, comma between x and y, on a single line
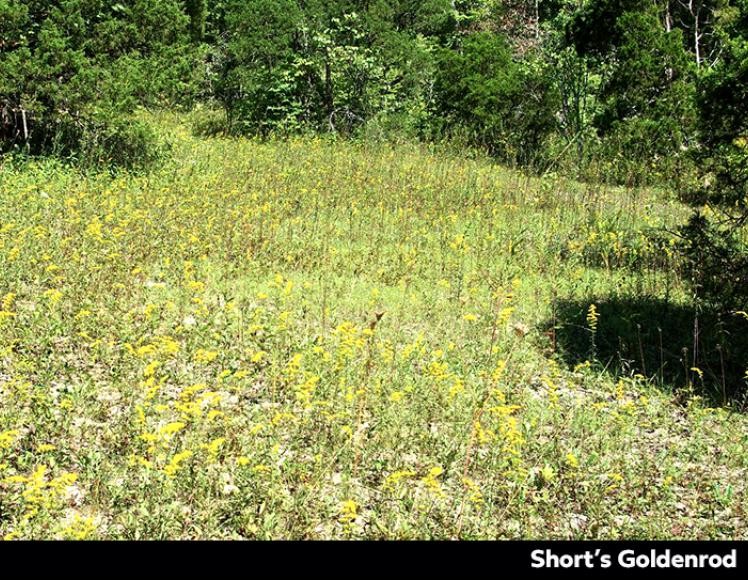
[(626, 91)]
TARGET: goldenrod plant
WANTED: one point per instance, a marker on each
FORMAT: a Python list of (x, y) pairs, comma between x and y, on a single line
[(315, 339)]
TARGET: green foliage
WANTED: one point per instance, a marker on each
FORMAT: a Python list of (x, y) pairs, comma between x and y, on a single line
[(647, 115), (197, 10), (607, 85), (326, 66), (723, 107), (716, 246), (504, 105), (717, 262), (73, 71), (257, 85), (650, 80), (593, 30)]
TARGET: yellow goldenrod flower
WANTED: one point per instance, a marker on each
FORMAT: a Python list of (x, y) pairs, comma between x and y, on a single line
[(431, 482), (397, 396), (571, 460), (204, 356), (348, 512), (592, 317), (53, 296), (79, 528), (7, 438), (176, 462)]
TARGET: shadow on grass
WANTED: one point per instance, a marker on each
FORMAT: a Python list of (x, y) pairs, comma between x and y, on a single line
[(665, 342)]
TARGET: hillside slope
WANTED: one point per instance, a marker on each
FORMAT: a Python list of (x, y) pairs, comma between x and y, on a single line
[(309, 339)]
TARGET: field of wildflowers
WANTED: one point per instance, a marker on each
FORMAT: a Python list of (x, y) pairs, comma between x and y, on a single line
[(309, 339)]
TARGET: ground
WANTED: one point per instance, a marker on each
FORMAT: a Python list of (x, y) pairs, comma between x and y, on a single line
[(319, 339)]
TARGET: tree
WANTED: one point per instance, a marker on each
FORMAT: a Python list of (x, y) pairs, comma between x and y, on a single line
[(70, 70), (647, 115), (715, 244), (504, 105), (197, 10), (327, 65)]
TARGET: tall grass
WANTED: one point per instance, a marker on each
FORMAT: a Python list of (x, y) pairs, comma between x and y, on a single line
[(310, 339)]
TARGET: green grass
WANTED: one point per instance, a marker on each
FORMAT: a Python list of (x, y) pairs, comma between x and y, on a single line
[(309, 339)]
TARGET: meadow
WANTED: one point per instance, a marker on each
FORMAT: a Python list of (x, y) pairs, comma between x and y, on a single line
[(320, 339)]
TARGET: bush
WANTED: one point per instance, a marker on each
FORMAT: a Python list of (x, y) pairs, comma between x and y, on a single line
[(716, 246), (121, 142), (72, 73), (645, 114), (503, 105), (289, 68), (717, 262)]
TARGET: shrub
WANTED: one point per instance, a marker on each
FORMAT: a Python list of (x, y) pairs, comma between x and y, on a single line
[(646, 117), (716, 245), (289, 67), (505, 106), (72, 72)]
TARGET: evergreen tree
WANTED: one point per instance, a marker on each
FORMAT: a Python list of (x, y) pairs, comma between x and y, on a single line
[(505, 106), (714, 239), (72, 70), (198, 12)]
